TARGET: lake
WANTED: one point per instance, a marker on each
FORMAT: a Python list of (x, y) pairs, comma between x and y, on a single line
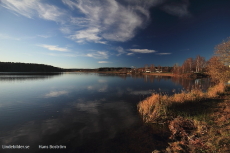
[(80, 112)]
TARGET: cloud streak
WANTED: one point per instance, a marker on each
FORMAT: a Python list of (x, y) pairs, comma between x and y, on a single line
[(5, 36), (35, 8), (164, 53), (98, 55), (144, 51), (129, 54), (179, 9), (101, 62), (54, 48)]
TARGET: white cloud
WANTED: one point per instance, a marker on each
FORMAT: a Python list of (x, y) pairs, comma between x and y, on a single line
[(109, 19), (97, 21), (83, 22), (35, 8), (55, 94), (90, 34), (23, 7), (164, 53), (98, 55), (129, 54), (142, 51), (103, 62), (54, 48)]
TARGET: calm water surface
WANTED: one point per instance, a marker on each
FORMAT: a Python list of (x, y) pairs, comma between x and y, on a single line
[(84, 112)]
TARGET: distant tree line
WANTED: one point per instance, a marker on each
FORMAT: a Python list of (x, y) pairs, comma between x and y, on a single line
[(27, 67), (217, 67), (119, 69), (80, 70)]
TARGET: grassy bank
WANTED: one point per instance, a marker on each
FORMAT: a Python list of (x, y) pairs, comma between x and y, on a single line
[(198, 122)]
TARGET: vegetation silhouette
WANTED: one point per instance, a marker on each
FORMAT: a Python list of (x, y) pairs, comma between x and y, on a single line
[(27, 67)]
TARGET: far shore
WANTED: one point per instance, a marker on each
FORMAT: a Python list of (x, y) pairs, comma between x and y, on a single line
[(115, 72)]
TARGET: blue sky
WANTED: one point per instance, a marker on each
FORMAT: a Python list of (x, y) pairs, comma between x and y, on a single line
[(111, 33)]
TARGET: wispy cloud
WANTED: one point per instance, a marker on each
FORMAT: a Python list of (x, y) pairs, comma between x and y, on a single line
[(129, 54), (90, 34), (54, 48), (61, 55), (103, 62), (120, 50), (109, 19), (164, 53), (142, 51), (65, 30), (176, 8), (5, 36), (98, 54), (44, 36), (100, 21), (35, 8)]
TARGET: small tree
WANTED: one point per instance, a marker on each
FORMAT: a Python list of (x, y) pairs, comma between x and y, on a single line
[(176, 69), (199, 63), (223, 51), (152, 68), (217, 70)]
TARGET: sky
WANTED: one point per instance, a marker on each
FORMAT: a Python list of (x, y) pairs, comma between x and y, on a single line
[(111, 33)]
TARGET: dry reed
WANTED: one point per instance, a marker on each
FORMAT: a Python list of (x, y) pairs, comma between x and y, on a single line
[(155, 107)]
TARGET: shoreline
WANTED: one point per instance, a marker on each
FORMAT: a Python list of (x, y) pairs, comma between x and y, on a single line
[(201, 122), (115, 72)]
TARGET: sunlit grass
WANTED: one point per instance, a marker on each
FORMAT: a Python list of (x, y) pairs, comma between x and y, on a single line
[(156, 106), (198, 121)]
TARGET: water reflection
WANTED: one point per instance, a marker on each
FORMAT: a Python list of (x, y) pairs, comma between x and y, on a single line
[(188, 84), (55, 94), (27, 76), (78, 124), (85, 112)]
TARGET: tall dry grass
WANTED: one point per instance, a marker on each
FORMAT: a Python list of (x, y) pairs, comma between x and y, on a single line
[(215, 90), (155, 107)]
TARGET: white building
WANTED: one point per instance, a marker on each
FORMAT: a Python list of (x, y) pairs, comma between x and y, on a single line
[(147, 71)]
